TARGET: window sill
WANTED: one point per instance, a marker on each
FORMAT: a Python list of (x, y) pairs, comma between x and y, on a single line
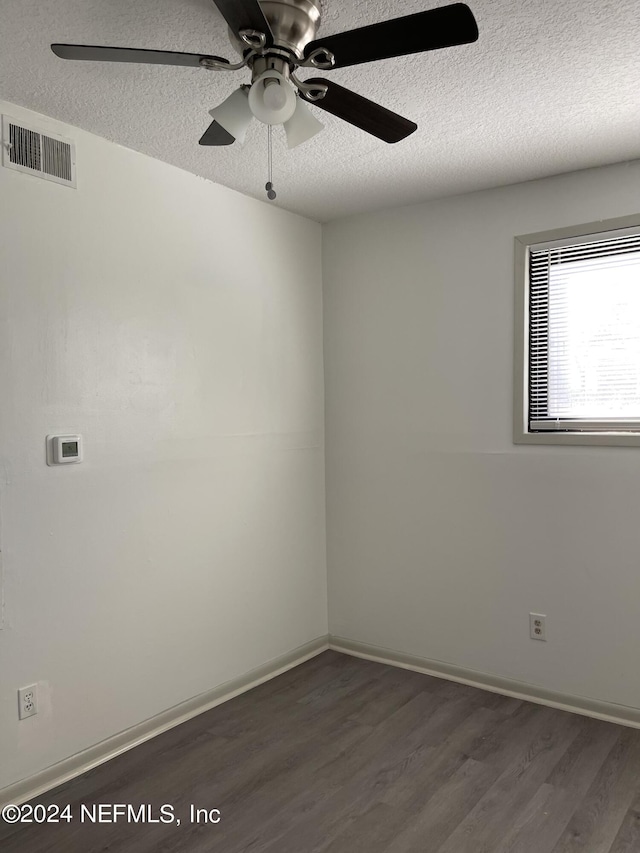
[(598, 439)]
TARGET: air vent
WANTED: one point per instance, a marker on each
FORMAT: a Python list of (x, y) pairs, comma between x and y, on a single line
[(44, 155)]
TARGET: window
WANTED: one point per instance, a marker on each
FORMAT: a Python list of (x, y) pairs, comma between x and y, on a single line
[(578, 335)]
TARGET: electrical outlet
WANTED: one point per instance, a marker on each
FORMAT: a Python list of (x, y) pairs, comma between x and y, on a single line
[(27, 701), (538, 626)]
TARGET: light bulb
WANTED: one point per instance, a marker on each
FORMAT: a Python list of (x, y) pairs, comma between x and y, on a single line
[(274, 103), (274, 98)]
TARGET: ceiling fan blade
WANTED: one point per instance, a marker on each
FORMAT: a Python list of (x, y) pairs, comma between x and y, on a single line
[(245, 15), (215, 134), (129, 54), (363, 113), (436, 28)]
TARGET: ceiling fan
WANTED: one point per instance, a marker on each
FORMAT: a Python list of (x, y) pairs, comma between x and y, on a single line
[(275, 38)]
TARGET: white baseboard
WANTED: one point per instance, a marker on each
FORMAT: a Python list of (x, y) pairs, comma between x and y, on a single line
[(624, 715), (69, 768)]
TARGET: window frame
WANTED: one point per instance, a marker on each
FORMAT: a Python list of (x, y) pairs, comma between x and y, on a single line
[(522, 244)]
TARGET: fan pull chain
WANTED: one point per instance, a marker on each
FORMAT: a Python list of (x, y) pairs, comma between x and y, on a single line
[(271, 193)]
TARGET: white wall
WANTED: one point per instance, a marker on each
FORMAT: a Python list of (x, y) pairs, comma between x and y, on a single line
[(443, 535), (178, 327)]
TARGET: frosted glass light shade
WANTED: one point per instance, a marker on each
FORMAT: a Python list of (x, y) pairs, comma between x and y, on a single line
[(302, 125), (277, 106), (234, 114)]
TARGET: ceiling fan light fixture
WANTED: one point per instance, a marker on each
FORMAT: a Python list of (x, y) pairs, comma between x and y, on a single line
[(272, 99), (302, 125), (274, 45), (234, 114)]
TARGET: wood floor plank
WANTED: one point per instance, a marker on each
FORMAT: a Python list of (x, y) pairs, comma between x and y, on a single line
[(503, 744), (413, 790), (342, 755), (628, 837), (242, 715), (569, 781), (394, 689), (404, 746), (445, 809), (373, 829), (597, 821), (348, 784), (484, 827)]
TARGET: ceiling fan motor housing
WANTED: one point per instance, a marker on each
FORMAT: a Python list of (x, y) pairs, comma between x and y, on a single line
[(294, 23)]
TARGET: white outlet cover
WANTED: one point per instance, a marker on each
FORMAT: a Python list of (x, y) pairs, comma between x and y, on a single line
[(538, 626), (27, 701)]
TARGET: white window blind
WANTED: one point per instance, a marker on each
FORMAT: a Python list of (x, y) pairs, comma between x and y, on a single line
[(584, 335)]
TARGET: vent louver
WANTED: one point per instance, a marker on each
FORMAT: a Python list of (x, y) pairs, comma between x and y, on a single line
[(44, 155)]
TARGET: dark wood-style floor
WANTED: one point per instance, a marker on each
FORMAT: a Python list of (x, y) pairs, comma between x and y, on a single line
[(342, 755)]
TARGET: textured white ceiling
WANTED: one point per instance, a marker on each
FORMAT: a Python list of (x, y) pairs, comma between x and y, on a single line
[(551, 86)]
